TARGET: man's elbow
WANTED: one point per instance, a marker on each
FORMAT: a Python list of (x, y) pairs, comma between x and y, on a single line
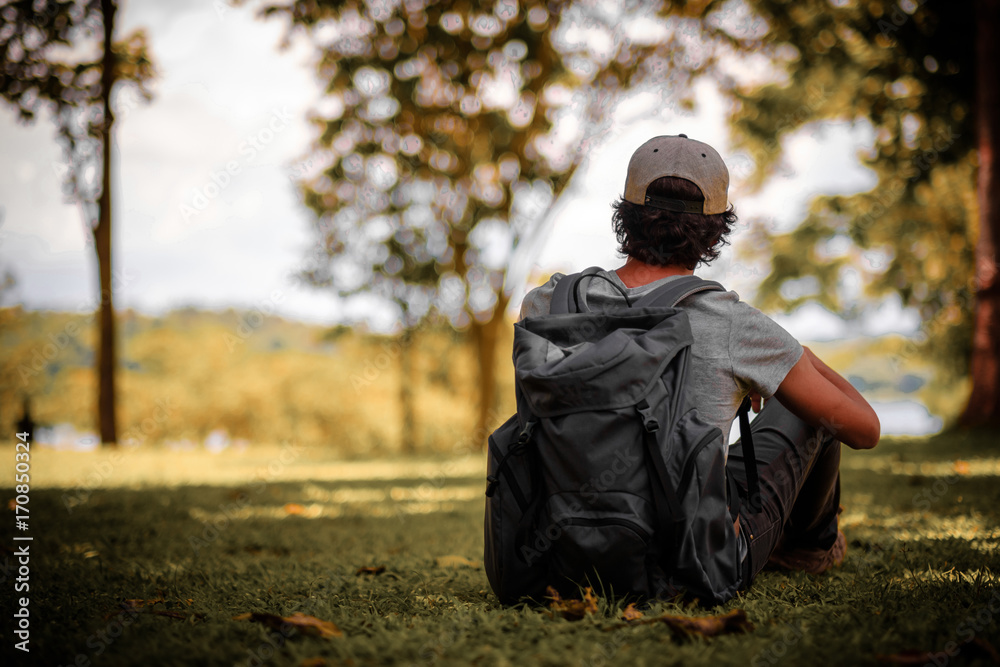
[(868, 435)]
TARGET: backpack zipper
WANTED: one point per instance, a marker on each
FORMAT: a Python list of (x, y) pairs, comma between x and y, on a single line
[(693, 457), (516, 449), (609, 521)]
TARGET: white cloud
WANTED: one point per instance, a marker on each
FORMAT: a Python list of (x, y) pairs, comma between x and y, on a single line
[(222, 83)]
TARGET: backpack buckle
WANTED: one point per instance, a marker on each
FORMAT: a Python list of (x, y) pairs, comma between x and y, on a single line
[(492, 481), (649, 422), (491, 485)]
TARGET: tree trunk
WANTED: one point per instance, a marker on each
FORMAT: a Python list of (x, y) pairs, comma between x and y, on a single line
[(983, 407), (485, 336), (102, 245), (409, 420)]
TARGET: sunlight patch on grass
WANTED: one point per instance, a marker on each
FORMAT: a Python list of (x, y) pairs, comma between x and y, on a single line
[(951, 575), (467, 466), (979, 467), (985, 546), (343, 496), (427, 492), (915, 526), (142, 467), (365, 494), (333, 510)]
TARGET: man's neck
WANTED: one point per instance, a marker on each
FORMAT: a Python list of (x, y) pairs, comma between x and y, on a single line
[(636, 273)]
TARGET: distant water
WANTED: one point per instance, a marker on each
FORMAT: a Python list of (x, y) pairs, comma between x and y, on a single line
[(66, 437), (903, 417), (906, 417)]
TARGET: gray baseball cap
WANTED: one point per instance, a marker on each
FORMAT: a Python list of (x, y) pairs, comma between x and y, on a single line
[(680, 157)]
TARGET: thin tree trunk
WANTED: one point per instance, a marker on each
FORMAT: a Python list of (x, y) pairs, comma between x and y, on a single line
[(484, 338), (983, 407), (486, 335), (102, 245), (409, 420)]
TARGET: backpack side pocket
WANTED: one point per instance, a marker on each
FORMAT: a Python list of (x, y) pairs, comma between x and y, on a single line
[(708, 560), (508, 496)]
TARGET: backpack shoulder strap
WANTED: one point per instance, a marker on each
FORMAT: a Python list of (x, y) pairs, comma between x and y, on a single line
[(564, 294), (566, 297), (675, 291), (669, 296)]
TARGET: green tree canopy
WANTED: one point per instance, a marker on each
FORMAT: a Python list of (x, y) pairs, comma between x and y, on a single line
[(909, 69), (449, 128)]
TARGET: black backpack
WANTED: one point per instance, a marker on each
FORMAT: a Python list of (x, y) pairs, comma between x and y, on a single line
[(606, 476)]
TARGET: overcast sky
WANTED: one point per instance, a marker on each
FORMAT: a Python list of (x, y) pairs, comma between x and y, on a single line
[(226, 96)]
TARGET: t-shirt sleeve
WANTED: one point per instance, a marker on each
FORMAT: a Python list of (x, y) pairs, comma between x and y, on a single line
[(762, 352), (537, 301)]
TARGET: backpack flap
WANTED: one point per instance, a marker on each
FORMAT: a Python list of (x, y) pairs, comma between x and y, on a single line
[(594, 361)]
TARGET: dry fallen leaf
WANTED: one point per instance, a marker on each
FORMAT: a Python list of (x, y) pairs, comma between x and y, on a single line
[(986, 647), (307, 625), (135, 604), (630, 613), (294, 508), (312, 625), (456, 561), (572, 610), (370, 569), (85, 549), (705, 626), (907, 657), (175, 614), (962, 467), (970, 649)]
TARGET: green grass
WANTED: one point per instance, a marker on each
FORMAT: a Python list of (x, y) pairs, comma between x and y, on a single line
[(921, 571)]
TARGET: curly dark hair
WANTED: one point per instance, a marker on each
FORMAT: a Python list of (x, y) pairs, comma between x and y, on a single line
[(660, 237)]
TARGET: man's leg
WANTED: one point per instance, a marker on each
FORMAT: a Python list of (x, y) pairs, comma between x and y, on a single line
[(799, 470)]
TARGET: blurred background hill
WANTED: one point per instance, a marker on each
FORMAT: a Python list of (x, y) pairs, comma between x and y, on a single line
[(196, 381), (194, 378)]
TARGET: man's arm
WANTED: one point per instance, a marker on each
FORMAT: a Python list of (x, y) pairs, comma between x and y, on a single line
[(818, 395)]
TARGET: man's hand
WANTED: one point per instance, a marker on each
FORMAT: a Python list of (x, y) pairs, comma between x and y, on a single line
[(756, 401)]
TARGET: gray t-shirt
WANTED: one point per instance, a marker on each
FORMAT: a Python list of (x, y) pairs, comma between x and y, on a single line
[(736, 347)]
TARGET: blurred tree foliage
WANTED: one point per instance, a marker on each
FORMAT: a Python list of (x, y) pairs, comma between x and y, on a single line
[(449, 128), (910, 69), (60, 56)]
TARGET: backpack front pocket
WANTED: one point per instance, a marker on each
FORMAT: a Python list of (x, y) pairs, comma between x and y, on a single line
[(603, 540)]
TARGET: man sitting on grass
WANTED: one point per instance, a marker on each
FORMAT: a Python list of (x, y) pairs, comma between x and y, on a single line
[(674, 215)]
